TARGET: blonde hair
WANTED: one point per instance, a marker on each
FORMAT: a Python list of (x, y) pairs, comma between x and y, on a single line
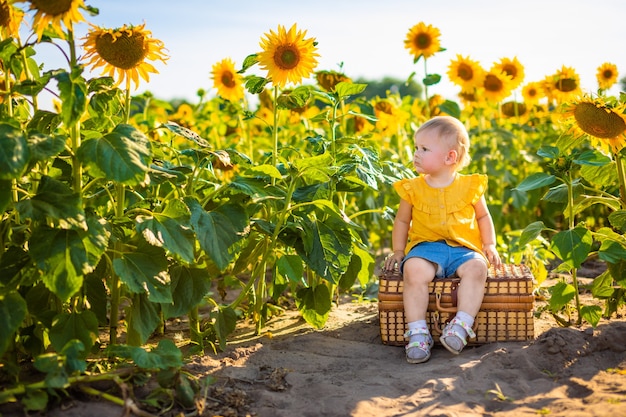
[(452, 132)]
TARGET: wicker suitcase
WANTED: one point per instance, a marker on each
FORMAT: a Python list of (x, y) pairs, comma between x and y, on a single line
[(505, 315)]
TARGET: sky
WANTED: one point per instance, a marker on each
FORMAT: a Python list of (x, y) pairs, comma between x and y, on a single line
[(365, 38)]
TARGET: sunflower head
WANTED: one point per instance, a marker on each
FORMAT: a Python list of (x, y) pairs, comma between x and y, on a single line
[(227, 81), (10, 19), (123, 52), (287, 55), (465, 72), (496, 86), (513, 68), (564, 85), (606, 75), (602, 122), (423, 41), (51, 13), (513, 109), (532, 93), (329, 79)]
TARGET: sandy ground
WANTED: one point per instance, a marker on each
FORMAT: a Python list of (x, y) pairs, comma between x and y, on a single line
[(345, 370)]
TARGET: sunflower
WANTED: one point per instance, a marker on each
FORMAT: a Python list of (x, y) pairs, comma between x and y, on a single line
[(227, 81), (465, 72), (513, 68), (603, 123), (564, 85), (496, 86), (287, 55), (328, 80), (606, 75), (123, 51), (10, 19), (423, 40), (513, 109), (50, 13), (532, 93)]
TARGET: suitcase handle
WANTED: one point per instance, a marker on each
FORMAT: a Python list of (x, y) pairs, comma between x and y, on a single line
[(440, 307), (436, 325)]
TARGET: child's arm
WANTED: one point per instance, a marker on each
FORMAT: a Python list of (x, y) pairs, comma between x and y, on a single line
[(399, 235), (487, 232)]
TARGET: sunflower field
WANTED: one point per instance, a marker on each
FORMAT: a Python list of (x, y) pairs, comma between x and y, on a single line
[(122, 213)]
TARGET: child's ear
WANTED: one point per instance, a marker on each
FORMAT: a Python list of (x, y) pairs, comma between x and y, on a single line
[(452, 157)]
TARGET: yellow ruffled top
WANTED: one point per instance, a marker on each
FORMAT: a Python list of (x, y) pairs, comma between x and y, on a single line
[(444, 213)]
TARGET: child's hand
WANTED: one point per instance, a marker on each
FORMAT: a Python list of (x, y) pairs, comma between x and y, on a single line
[(492, 255), (392, 261)]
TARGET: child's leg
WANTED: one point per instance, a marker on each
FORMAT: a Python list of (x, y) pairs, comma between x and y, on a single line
[(417, 273), (473, 274)]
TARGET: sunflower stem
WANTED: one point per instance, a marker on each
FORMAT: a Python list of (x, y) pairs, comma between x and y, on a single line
[(426, 88), (572, 224), (275, 131), (622, 178)]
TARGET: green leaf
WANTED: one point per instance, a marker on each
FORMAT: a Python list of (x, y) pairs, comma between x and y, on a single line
[(572, 246), (431, 79), (290, 266), (530, 233), (550, 152), (12, 312), (600, 176), (43, 147), (535, 181), (54, 203), (35, 400), (562, 294), (145, 271), (450, 107), (618, 220), (592, 314), (613, 246), (295, 99), (361, 267), (314, 304), (248, 62), (255, 84), (142, 319), (225, 324), (592, 157), (82, 325), (6, 195), (124, 155), (345, 89), (73, 92), (602, 286), (170, 229), (218, 230), (326, 246), (264, 171), (64, 256), (189, 287), (14, 152), (74, 352), (165, 355), (186, 133)]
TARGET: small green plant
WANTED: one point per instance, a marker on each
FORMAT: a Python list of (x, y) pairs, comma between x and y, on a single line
[(498, 394)]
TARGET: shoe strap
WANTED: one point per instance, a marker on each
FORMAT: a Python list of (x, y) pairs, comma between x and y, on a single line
[(419, 331), (461, 323)]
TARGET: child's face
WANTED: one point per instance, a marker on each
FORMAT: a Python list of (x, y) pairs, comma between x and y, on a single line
[(432, 155)]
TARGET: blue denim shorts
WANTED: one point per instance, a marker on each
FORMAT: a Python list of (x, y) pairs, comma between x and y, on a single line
[(447, 258)]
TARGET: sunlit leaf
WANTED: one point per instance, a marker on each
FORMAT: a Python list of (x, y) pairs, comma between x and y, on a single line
[(189, 287), (561, 295), (218, 230), (536, 180), (530, 233), (572, 246), (144, 270), (170, 229), (14, 152), (124, 155)]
